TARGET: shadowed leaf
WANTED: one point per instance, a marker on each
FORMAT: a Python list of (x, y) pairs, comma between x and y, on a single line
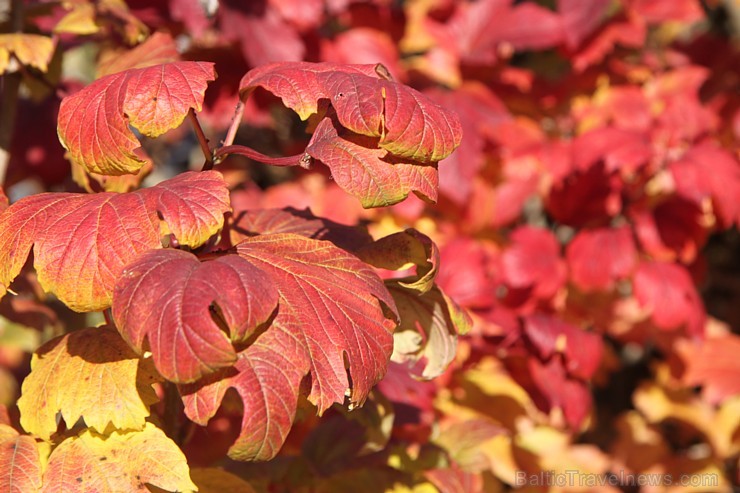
[(90, 374), (117, 462)]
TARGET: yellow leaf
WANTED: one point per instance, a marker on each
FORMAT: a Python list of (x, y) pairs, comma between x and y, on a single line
[(90, 374), (31, 49), (120, 462), (79, 20)]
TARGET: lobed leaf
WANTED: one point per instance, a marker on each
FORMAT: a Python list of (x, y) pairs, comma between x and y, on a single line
[(371, 174), (90, 374), (94, 122), (121, 461), (408, 123), (82, 242), (20, 462), (332, 308), (382, 139), (178, 303)]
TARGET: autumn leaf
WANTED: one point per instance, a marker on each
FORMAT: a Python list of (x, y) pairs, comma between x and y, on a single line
[(94, 122), (369, 173), (121, 461), (158, 49), (427, 333), (33, 50), (667, 291), (599, 257), (181, 305), (332, 308), (408, 124), (20, 462), (398, 251), (254, 222), (714, 365), (82, 242), (90, 374)]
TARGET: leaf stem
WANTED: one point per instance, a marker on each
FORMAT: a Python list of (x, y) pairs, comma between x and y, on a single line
[(235, 121), (202, 140), (296, 160)]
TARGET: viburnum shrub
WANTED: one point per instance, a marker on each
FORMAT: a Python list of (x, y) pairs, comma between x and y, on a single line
[(254, 299)]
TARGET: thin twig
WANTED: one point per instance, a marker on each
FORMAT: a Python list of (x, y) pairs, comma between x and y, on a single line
[(235, 122), (202, 140), (296, 160)]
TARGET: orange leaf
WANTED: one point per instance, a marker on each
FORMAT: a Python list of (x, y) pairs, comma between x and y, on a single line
[(94, 123), (20, 462), (82, 242)]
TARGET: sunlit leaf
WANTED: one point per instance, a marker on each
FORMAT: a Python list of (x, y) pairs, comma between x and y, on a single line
[(82, 242), (94, 122), (121, 461), (90, 374), (179, 305), (21, 462), (335, 320), (407, 123), (31, 49)]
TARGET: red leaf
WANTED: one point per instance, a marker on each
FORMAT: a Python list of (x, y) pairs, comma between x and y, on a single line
[(707, 171), (466, 273), (667, 10), (675, 230), (263, 34), (572, 396), (408, 124), (481, 114), (581, 350), (586, 197), (93, 123), (270, 221), (178, 303), (82, 242), (668, 292), (332, 308), (599, 257), (581, 18), (478, 28), (369, 173), (533, 261)]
